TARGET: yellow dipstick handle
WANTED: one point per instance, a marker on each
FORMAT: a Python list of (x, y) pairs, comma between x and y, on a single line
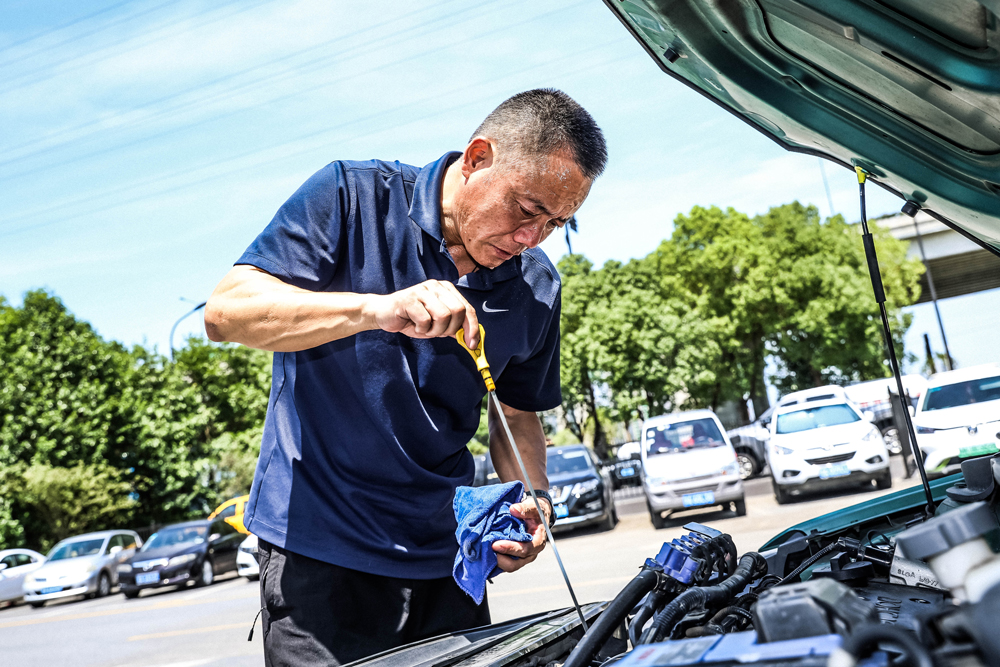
[(479, 356), (861, 174)]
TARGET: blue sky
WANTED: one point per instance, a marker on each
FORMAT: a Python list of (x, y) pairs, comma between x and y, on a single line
[(147, 142)]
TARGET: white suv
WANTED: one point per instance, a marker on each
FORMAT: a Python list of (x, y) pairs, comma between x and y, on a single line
[(821, 442), (958, 417)]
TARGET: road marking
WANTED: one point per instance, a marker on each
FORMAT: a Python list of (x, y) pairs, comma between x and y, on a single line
[(103, 612), (191, 631), (559, 587)]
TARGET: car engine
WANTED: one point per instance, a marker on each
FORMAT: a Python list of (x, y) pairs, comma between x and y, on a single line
[(913, 589)]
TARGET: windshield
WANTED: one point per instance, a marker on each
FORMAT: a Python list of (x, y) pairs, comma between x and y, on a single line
[(562, 461), (810, 418), (683, 437), (962, 393), (174, 536), (76, 549)]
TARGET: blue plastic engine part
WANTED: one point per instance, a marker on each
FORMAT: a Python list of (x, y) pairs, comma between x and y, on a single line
[(675, 557), (736, 647)]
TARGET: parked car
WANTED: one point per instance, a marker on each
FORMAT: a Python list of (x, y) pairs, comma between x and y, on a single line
[(874, 396), (84, 565), (821, 440), (232, 512), (750, 443), (15, 565), (485, 472), (959, 418), (247, 563), (193, 551), (581, 492), (688, 462)]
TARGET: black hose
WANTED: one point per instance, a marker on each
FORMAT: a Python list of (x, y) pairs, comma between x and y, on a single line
[(697, 598), (865, 639), (807, 562), (655, 600), (612, 617)]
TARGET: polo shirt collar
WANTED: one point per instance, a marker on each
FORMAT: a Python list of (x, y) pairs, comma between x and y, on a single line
[(425, 212)]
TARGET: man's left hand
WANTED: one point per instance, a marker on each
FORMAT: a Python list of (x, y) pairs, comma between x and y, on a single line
[(525, 552)]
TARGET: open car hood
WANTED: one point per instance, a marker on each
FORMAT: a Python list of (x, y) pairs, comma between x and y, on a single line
[(907, 89)]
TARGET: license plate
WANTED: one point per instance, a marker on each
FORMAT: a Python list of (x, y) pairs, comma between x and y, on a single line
[(50, 589), (834, 470), (147, 578), (696, 499), (562, 511), (977, 450), (627, 472)]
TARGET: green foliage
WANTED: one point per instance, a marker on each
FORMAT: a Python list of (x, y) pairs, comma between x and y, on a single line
[(691, 324), (480, 443), (181, 436), (78, 499)]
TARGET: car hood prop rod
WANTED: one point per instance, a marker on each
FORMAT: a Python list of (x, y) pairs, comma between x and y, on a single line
[(876, 276)]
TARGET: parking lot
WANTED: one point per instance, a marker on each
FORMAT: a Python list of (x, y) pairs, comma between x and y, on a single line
[(209, 626)]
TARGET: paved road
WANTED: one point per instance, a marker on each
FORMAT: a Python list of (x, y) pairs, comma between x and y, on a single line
[(209, 626)]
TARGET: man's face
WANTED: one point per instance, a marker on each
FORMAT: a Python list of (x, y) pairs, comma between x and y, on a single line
[(502, 212)]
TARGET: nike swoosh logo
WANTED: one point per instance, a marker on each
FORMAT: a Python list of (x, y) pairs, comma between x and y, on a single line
[(487, 309)]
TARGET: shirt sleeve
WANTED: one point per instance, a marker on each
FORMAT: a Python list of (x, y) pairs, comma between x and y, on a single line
[(532, 385), (302, 243)]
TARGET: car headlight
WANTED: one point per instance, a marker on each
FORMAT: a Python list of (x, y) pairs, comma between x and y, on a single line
[(925, 429), (872, 435), (784, 451), (731, 469), (181, 560), (657, 481), (29, 580), (581, 488), (124, 568)]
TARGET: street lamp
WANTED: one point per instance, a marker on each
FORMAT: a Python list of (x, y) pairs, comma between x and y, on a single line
[(174, 328)]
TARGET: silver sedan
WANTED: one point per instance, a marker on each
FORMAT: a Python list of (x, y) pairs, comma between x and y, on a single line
[(83, 565)]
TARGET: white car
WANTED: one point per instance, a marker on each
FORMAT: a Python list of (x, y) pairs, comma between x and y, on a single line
[(688, 462), (959, 418), (822, 441), (15, 565), (82, 565), (246, 559)]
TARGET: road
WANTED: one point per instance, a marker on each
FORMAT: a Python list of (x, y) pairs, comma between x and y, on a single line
[(209, 626)]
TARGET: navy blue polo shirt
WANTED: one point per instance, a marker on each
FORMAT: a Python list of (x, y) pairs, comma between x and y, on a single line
[(365, 437)]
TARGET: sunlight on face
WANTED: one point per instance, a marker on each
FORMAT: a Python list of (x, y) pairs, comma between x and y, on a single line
[(505, 209)]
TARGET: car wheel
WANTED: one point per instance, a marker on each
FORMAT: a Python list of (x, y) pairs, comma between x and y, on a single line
[(780, 494), (37, 605), (741, 507), (103, 586), (207, 574), (890, 435), (884, 481), (611, 521), (655, 517), (131, 594), (747, 464)]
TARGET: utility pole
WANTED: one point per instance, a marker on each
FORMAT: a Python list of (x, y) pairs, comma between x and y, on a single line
[(174, 328), (911, 209)]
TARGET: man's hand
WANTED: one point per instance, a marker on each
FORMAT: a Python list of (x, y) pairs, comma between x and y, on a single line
[(432, 309), (525, 551)]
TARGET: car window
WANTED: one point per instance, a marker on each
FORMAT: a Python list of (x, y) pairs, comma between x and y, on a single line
[(227, 512), (128, 541), (115, 541), (169, 537), (810, 418), (76, 549), (24, 559), (227, 528), (683, 436), (562, 461), (962, 393), (9, 561)]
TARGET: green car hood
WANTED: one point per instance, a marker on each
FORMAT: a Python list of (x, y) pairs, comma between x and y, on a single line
[(907, 89)]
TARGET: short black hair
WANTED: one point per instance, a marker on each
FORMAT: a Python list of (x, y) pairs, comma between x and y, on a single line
[(540, 122)]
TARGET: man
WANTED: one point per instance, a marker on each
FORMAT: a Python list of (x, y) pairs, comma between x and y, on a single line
[(359, 285)]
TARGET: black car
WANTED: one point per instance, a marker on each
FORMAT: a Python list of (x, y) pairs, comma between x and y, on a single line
[(581, 491), (195, 551)]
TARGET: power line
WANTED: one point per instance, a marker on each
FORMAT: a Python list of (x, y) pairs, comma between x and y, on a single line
[(189, 126), (101, 124), (201, 180), (144, 39), (63, 26)]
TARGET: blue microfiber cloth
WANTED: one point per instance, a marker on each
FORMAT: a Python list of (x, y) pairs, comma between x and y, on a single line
[(483, 515)]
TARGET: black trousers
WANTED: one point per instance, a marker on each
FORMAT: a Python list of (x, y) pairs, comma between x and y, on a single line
[(315, 613)]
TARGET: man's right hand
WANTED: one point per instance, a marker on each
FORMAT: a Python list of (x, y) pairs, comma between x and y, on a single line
[(431, 309)]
